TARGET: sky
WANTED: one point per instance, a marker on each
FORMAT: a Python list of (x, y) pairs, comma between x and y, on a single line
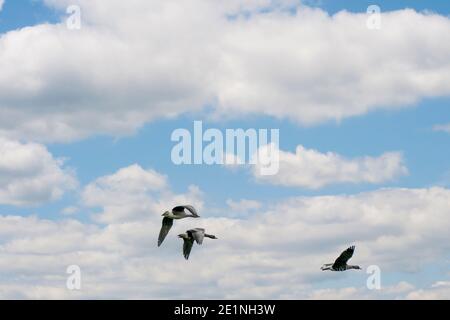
[(86, 119)]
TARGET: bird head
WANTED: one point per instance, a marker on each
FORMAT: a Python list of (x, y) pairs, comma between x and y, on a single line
[(357, 267), (214, 237), (165, 214), (182, 235)]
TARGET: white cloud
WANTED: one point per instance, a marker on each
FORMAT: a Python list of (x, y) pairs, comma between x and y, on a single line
[(30, 175), (396, 291), (312, 169), (71, 210), (438, 291), (400, 230), (242, 207), (1, 4), (349, 293), (134, 193), (400, 288), (279, 64), (442, 127), (161, 58)]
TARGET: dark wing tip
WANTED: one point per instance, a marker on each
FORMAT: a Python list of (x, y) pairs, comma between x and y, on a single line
[(349, 251), (191, 209)]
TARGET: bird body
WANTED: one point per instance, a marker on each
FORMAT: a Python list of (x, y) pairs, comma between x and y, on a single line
[(191, 236), (172, 216), (176, 214), (341, 262), (180, 213)]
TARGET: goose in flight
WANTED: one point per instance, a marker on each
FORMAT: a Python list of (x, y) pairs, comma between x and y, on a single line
[(176, 213), (341, 263), (192, 235)]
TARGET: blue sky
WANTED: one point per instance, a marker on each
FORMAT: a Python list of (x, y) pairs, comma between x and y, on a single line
[(407, 129)]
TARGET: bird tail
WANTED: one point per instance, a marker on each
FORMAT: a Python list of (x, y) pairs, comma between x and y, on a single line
[(326, 267)]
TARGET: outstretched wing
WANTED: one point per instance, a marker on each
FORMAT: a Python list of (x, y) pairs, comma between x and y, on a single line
[(166, 225), (343, 258), (198, 234), (187, 246), (190, 208)]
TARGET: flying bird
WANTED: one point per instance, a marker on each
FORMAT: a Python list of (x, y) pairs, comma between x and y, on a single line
[(176, 213), (341, 263), (192, 235)]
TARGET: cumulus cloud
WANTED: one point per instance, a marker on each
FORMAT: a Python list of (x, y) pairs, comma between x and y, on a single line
[(244, 205), (30, 175), (400, 230), (307, 83), (161, 58), (312, 169), (395, 291), (438, 291), (71, 210), (134, 193)]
